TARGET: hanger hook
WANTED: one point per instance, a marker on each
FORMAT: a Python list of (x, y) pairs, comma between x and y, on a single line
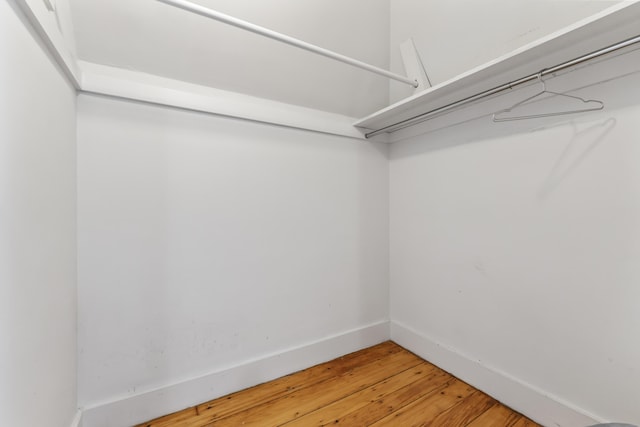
[(544, 85)]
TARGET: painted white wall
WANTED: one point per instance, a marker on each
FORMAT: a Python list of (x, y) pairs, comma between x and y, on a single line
[(37, 229), (516, 245), (206, 242), (454, 36), (158, 39)]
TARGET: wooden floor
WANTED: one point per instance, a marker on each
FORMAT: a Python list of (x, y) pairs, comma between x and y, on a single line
[(383, 385)]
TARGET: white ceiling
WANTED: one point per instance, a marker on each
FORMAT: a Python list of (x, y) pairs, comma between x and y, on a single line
[(147, 36)]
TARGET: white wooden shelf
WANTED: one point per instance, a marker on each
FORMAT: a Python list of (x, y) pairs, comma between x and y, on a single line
[(606, 28)]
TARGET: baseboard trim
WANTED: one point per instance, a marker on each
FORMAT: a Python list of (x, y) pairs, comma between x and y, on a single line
[(145, 406), (541, 407)]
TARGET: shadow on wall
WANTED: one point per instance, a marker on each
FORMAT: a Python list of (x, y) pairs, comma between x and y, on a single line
[(583, 137), (575, 152)]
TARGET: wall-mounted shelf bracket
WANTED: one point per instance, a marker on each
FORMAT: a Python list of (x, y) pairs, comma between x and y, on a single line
[(413, 65), (607, 32)]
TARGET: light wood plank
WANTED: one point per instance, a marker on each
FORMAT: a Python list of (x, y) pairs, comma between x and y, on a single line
[(463, 412), (422, 376), (427, 408), (497, 416), (244, 399), (525, 422), (248, 398), (301, 402), (381, 386), (171, 420), (377, 409)]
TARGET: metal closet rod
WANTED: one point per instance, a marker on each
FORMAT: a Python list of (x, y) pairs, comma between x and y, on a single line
[(576, 61), (209, 13)]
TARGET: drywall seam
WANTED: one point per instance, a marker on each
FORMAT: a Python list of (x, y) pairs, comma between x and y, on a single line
[(154, 403), (541, 407)]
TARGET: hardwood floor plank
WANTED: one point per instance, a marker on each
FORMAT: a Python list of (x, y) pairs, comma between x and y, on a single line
[(423, 375), (301, 402), (384, 385), (244, 399), (377, 409), (525, 422), (172, 419), (427, 408), (465, 411), (241, 400), (497, 416)]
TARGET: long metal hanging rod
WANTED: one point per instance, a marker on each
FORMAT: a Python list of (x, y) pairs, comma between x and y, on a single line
[(490, 92), (209, 13)]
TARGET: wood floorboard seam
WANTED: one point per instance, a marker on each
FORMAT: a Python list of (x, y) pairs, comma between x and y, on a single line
[(384, 385), (320, 383), (371, 387), (389, 348)]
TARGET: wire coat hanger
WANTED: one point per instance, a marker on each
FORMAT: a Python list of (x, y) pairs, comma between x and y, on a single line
[(599, 105)]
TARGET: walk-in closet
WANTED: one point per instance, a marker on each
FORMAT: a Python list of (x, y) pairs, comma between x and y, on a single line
[(321, 212)]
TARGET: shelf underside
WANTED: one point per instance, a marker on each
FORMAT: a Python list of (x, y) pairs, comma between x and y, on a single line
[(606, 28)]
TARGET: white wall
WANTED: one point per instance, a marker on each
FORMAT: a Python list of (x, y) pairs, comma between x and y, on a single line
[(205, 52), (206, 242), (37, 232), (517, 245)]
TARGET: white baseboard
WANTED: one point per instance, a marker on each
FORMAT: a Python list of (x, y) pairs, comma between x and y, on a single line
[(534, 403), (145, 406)]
